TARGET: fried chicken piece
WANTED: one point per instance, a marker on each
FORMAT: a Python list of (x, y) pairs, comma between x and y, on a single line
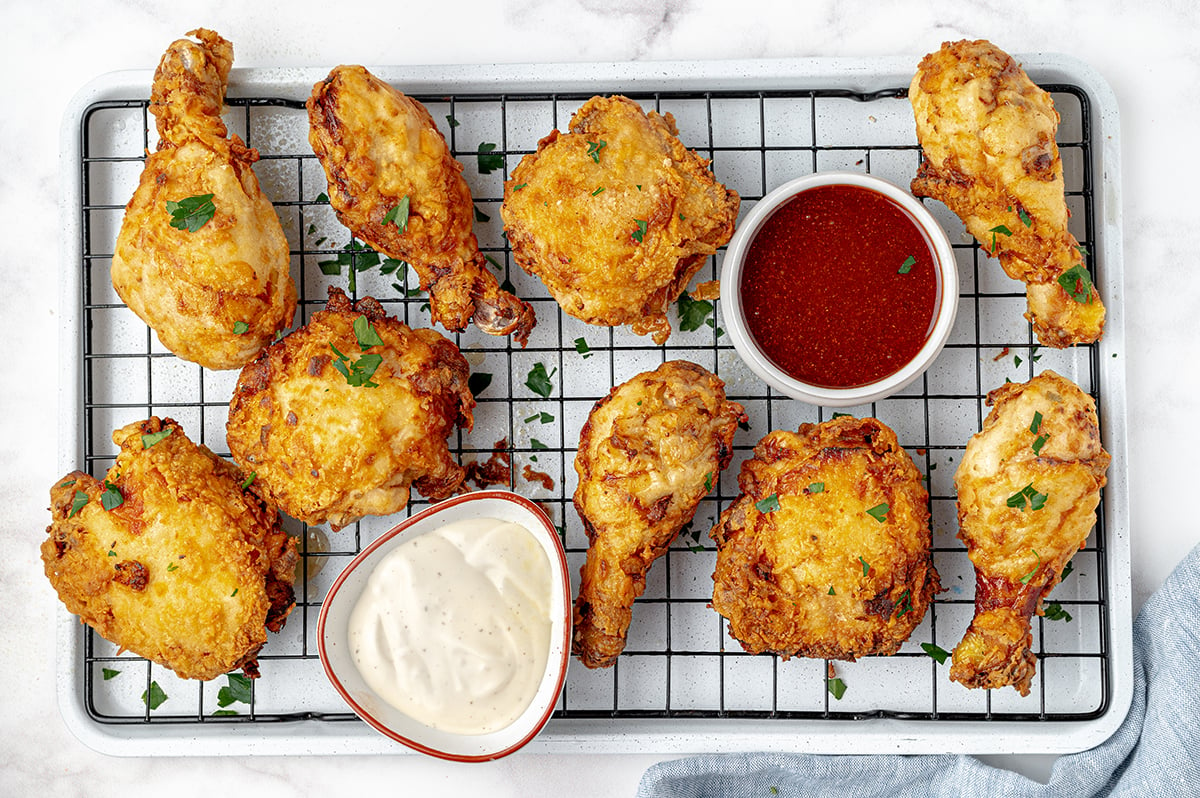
[(339, 418), (169, 556), (649, 452), (826, 552), (394, 183), (218, 293), (616, 216), (987, 137), (1028, 486)]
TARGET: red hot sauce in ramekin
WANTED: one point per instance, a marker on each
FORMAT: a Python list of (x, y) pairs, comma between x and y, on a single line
[(839, 287)]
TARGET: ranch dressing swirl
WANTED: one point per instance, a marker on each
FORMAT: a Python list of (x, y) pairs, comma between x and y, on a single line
[(453, 627)]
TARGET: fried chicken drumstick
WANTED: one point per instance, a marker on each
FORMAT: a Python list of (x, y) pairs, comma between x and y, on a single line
[(171, 555), (649, 452), (394, 183), (987, 136), (1028, 486), (211, 277)]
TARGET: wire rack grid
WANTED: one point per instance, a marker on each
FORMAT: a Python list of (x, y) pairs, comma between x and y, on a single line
[(680, 661)]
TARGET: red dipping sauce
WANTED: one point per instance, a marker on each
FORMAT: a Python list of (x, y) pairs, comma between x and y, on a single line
[(839, 287)]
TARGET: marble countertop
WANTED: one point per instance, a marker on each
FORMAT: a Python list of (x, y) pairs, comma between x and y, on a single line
[(1146, 52)]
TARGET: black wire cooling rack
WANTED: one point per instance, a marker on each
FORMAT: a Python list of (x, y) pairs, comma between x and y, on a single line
[(680, 661)]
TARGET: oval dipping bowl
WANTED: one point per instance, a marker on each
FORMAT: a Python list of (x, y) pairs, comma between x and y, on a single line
[(333, 625), (750, 350)]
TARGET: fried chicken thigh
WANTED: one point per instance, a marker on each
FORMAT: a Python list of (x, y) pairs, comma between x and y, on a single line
[(826, 553), (616, 216), (649, 452), (216, 290), (1028, 486), (171, 556), (339, 418), (987, 135), (394, 183)]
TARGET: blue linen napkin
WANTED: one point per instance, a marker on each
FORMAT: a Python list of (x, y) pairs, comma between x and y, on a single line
[(1155, 752)]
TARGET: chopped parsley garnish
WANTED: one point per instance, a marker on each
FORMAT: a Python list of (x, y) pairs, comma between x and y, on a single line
[(1078, 283), (906, 267), (478, 382), (240, 328), (815, 487), (480, 216), (398, 215), (597, 191), (322, 197), (154, 697), (594, 148), (1055, 612), (1024, 217), (904, 603), (109, 673), (358, 373), (879, 512), (1036, 424), (581, 346), (77, 503), (451, 121), (538, 380), (1036, 500), (1025, 579), (866, 566), (191, 213), (234, 593), (1017, 361), (937, 652), (832, 592), (1082, 250), (640, 233), (155, 437), (544, 417), (998, 229), (692, 312), (519, 186), (840, 415), (1067, 571), (357, 257), (1038, 443), (366, 334), (837, 688), (111, 498), (172, 567), (248, 481), (238, 690), (768, 505), (708, 482), (534, 443), (487, 160)]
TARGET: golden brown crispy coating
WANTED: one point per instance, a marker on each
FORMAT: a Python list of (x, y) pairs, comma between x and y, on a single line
[(987, 135), (616, 216), (1028, 486), (805, 566), (649, 452), (325, 449), (189, 571), (198, 289), (380, 148)]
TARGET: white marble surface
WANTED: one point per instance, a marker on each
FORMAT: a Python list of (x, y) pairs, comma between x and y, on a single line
[(1146, 51)]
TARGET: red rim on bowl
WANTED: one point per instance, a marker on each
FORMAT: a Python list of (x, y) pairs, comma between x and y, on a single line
[(768, 369), (343, 595)]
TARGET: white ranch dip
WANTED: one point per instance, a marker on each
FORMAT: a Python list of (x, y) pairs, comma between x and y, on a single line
[(453, 627)]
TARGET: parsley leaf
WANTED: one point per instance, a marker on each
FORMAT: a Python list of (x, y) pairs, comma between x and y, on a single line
[(359, 372), (1055, 612), (597, 191), (1067, 571), (155, 437), (191, 213), (534, 443), (487, 160), (581, 346), (538, 380), (451, 121), (240, 328), (832, 592), (366, 334), (768, 505), (111, 498), (154, 697), (238, 690), (1036, 500), (904, 603), (1038, 443), (866, 566), (692, 312), (544, 417), (708, 482), (937, 652), (248, 481), (478, 382), (1024, 217), (837, 688), (1077, 283), (110, 673), (906, 267), (998, 229), (1025, 579), (640, 233), (1036, 424), (398, 215), (593, 150), (815, 487), (879, 512), (480, 216)]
